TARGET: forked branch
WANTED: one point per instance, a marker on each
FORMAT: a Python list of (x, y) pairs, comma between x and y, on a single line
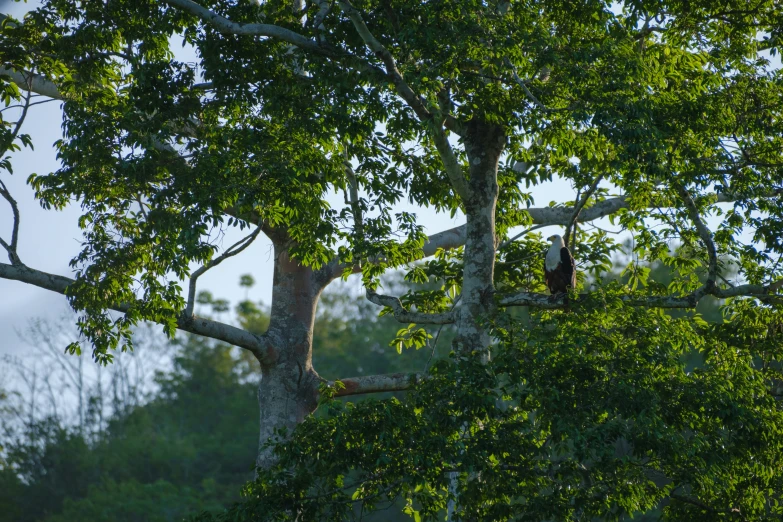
[(399, 311), (406, 316), (231, 251), (580, 204), (11, 248)]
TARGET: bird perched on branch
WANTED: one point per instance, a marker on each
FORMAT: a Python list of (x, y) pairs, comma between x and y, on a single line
[(559, 267)]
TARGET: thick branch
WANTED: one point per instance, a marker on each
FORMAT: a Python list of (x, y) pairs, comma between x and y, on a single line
[(541, 217), (405, 316), (562, 215), (454, 170), (32, 82), (377, 383), (226, 26), (704, 234), (403, 89), (415, 102), (323, 10), (192, 324), (553, 302)]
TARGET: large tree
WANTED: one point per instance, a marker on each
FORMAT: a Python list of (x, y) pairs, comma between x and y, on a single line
[(461, 105)]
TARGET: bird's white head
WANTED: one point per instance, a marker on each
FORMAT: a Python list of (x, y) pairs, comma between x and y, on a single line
[(556, 239)]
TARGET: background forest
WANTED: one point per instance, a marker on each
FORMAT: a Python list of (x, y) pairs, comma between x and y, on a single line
[(184, 438), (180, 441)]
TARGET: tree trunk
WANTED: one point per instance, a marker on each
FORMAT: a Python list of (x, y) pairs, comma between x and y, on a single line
[(288, 390), (484, 144)]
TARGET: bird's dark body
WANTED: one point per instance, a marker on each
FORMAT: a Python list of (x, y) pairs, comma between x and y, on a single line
[(563, 276)]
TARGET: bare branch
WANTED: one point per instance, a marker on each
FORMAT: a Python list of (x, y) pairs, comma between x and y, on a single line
[(704, 234), (522, 84), (377, 383), (33, 82), (413, 100), (11, 248), (12, 255), (226, 26), (231, 251), (405, 316), (198, 325), (578, 209)]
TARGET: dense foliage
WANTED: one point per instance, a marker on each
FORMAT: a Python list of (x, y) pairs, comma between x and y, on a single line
[(584, 415)]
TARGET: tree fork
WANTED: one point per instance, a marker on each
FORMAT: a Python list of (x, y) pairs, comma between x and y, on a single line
[(288, 391)]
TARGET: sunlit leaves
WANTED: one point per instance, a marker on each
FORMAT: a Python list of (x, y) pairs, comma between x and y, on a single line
[(586, 413)]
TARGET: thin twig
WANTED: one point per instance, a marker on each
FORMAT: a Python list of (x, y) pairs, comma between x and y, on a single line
[(526, 231), (21, 119), (578, 209), (231, 251), (437, 335), (693, 502), (522, 84)]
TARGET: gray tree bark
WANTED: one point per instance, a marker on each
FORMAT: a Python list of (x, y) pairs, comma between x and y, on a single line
[(484, 143), (288, 391)]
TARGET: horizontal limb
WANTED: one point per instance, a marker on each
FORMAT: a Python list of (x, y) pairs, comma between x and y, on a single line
[(549, 302), (226, 26), (377, 383), (257, 344)]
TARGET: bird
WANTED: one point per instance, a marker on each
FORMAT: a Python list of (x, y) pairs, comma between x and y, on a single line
[(559, 267)]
